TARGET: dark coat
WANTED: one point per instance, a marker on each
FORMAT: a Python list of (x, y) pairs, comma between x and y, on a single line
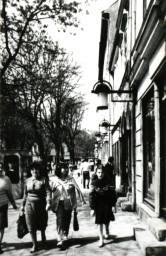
[(102, 193), (109, 172)]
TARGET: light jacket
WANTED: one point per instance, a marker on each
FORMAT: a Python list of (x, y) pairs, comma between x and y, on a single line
[(6, 194), (66, 191)]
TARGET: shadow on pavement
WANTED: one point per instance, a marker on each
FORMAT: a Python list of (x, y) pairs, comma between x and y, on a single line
[(16, 246), (51, 244), (123, 239), (81, 241)]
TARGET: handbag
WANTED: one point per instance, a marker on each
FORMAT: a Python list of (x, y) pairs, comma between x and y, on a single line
[(22, 229), (75, 221)]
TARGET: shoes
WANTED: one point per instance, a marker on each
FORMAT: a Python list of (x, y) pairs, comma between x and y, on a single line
[(60, 243), (33, 249), (107, 236), (100, 244)]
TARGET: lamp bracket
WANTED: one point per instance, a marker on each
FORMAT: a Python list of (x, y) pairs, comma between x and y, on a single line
[(120, 92)]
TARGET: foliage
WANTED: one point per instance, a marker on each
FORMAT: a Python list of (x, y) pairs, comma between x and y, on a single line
[(41, 86), (73, 114), (18, 16), (84, 144), (38, 81)]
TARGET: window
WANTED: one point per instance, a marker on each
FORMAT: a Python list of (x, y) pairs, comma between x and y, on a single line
[(149, 147)]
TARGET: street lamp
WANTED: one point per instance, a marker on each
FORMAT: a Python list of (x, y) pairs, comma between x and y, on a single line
[(98, 136), (96, 144), (102, 89), (104, 127)]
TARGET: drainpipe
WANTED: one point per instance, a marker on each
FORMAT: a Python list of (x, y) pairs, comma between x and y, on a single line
[(157, 151), (133, 167), (133, 157)]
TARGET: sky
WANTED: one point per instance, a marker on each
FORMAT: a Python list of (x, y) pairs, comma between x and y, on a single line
[(84, 47)]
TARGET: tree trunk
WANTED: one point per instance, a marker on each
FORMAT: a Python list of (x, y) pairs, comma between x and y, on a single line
[(72, 152)]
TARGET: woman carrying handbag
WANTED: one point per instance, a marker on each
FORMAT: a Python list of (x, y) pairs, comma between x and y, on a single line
[(64, 187), (36, 203)]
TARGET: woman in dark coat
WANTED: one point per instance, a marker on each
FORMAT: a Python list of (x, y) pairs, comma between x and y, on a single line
[(102, 199), (36, 202)]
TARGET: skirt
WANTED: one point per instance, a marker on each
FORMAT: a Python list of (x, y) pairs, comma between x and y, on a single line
[(4, 216), (104, 215), (36, 215)]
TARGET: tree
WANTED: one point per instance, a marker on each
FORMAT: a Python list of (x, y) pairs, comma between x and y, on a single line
[(62, 94), (84, 144), (26, 84), (20, 15), (72, 115)]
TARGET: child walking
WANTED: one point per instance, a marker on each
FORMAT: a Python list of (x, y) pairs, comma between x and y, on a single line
[(102, 199)]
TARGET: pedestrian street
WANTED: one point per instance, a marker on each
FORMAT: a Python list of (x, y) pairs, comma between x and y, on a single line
[(83, 242)]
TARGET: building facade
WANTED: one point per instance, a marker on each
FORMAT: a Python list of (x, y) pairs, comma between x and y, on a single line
[(134, 64)]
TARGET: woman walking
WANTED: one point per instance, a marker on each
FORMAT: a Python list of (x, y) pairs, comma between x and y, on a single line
[(102, 199), (36, 202), (64, 189), (6, 196)]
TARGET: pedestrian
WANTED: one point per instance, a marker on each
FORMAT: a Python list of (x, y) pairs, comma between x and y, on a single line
[(6, 196), (96, 165), (36, 202), (64, 189), (71, 169), (85, 172), (109, 170), (102, 199)]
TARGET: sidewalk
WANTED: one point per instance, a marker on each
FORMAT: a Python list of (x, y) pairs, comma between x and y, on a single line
[(83, 242)]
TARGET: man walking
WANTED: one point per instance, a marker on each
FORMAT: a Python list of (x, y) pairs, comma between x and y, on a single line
[(85, 169), (109, 170)]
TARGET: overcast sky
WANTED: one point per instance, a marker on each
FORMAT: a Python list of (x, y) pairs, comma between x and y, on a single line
[(85, 46)]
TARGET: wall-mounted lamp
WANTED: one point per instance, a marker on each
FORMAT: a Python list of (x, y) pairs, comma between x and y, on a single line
[(96, 144), (98, 136), (104, 127), (102, 88)]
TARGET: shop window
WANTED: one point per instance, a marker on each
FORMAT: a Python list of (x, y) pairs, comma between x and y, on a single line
[(149, 147), (11, 163)]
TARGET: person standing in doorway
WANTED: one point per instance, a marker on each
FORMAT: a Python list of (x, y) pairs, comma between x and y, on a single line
[(6, 196), (109, 170), (85, 172)]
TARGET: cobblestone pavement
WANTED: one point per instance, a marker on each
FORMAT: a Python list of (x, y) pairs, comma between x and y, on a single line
[(83, 242)]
